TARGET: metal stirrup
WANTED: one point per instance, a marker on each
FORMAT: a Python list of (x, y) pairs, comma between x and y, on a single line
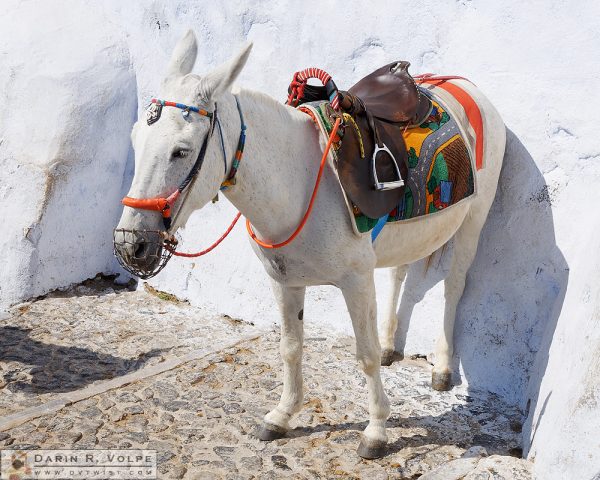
[(381, 147), (385, 185)]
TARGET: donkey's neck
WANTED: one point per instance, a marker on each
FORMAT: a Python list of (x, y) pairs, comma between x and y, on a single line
[(280, 163)]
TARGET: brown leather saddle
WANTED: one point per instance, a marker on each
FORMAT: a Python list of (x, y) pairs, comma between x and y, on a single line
[(382, 105)]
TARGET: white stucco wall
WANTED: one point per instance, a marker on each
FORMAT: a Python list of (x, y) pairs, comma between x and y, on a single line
[(68, 100), (528, 323)]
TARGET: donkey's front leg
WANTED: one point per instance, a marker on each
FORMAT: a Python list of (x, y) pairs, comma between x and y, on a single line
[(359, 294), (291, 305)]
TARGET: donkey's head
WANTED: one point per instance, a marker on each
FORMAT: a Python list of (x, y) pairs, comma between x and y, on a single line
[(181, 157)]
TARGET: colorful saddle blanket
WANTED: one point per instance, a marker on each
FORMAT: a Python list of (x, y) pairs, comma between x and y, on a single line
[(440, 169), (440, 166)]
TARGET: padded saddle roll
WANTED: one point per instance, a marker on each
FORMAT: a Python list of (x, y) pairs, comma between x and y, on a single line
[(312, 93)]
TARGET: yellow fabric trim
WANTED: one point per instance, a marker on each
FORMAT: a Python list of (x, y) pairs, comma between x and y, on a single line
[(349, 118)]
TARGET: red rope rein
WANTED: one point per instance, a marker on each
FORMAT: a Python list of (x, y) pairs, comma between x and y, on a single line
[(311, 203), (209, 249)]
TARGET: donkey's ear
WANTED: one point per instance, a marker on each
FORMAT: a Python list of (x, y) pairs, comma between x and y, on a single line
[(221, 79), (183, 57)]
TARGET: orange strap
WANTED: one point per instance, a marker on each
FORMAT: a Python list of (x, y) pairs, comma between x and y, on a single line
[(471, 109), (311, 203), (161, 204), (155, 204)]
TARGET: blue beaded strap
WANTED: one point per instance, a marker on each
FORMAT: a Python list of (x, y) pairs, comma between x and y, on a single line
[(182, 106)]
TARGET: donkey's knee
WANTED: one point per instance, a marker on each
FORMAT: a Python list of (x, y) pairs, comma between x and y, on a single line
[(290, 350), (370, 362)]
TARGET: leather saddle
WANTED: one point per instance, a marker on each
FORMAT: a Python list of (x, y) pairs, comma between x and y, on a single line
[(372, 159), (382, 105)]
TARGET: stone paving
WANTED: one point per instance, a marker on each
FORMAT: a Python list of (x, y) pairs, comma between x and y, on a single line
[(94, 332), (201, 416)]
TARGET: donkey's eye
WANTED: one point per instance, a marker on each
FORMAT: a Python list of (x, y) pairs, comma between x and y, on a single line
[(180, 153)]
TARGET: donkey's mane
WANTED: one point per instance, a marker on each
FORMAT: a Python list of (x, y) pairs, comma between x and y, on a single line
[(259, 100)]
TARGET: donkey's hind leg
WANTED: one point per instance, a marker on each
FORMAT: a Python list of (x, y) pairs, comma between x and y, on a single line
[(465, 248), (291, 305), (390, 318)]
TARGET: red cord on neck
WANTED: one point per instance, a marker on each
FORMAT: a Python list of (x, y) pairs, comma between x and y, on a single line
[(310, 205), (212, 247)]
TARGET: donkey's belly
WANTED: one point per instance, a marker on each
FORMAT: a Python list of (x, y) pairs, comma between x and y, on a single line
[(406, 242)]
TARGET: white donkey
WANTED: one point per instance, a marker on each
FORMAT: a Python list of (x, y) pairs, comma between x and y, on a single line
[(274, 184)]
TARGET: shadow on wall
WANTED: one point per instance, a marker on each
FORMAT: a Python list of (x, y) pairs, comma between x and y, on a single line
[(515, 287)]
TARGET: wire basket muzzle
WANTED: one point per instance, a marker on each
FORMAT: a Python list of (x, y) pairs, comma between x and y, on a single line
[(143, 253)]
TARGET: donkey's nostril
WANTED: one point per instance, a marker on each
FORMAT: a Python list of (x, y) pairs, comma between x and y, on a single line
[(140, 249)]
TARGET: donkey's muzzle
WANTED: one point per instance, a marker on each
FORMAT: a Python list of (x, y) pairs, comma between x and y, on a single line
[(143, 253)]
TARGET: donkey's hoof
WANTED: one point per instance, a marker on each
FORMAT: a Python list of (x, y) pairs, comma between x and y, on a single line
[(390, 356), (268, 432), (370, 449), (442, 382)]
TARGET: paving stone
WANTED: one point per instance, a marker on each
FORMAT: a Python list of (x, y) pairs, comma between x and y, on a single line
[(92, 412), (147, 393), (37, 438), (233, 408), (224, 452), (252, 464), (212, 414), (127, 397), (178, 471), (24, 446), (138, 422), (280, 461), (164, 450), (134, 410), (139, 438), (106, 404), (116, 415)]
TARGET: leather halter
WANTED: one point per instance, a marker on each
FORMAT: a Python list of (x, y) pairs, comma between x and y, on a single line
[(164, 205)]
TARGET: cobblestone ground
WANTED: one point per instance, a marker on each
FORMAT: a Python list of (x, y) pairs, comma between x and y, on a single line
[(201, 416), (93, 332)]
